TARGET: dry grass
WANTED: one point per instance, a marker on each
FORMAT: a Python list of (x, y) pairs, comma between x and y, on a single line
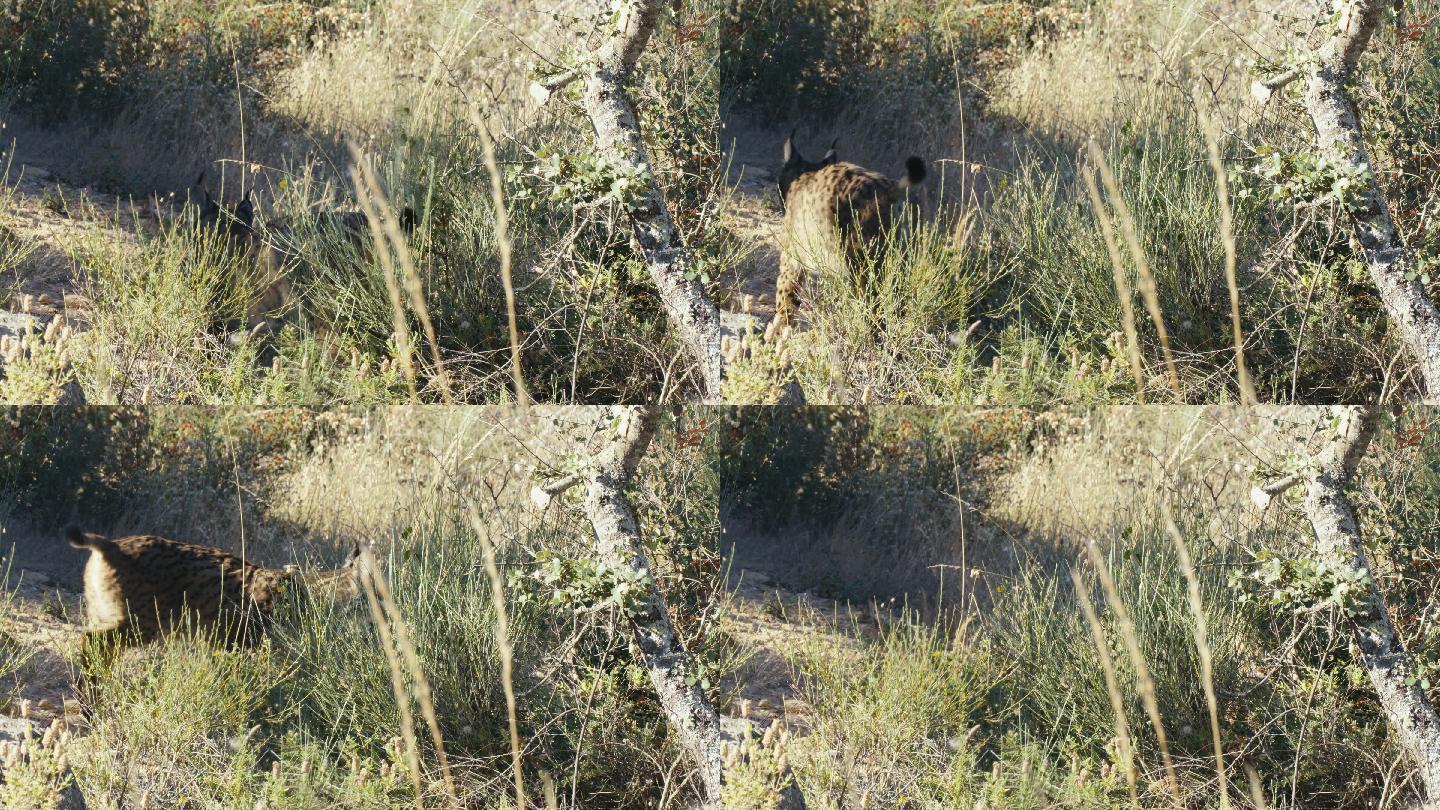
[(516, 282), (457, 675), (1131, 536)]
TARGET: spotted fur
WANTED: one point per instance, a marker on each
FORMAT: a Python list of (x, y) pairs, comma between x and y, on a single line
[(143, 588), (835, 215)]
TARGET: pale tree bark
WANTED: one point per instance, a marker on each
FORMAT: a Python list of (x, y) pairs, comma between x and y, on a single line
[(617, 539), (1337, 538), (617, 138), (1339, 137)]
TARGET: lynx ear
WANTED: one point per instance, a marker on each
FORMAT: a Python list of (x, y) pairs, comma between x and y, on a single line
[(245, 211), (831, 157), (791, 154), (353, 557)]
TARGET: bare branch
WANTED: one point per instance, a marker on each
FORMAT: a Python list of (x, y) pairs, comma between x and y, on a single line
[(671, 670), (617, 539), (1263, 89), (1262, 495), (542, 494), (545, 89)]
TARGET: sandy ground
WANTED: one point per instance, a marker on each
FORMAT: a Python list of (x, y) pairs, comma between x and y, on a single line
[(46, 616), (52, 219), (772, 618), (755, 216)]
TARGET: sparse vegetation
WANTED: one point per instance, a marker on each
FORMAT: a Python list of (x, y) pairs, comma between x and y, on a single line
[(267, 99), (309, 717), (14, 653), (996, 694), (1004, 291), (965, 574)]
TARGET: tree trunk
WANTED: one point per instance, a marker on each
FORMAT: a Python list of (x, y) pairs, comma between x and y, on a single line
[(1338, 135), (617, 138), (1337, 539), (617, 539)]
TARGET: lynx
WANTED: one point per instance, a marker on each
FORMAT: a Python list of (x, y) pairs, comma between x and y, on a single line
[(142, 588), (271, 247), (835, 212)]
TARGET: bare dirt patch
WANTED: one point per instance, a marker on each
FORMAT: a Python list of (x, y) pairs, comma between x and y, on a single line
[(773, 619), (50, 219), (45, 619)]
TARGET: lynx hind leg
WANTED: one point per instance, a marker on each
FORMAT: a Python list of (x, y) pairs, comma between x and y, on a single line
[(787, 291), (864, 258), (99, 649)]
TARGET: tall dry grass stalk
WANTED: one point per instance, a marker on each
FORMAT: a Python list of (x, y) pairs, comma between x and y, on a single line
[(503, 244), (1144, 683), (404, 660), (1148, 291), (1257, 790), (1122, 285), (397, 677), (547, 783), (385, 232), (507, 658), (1202, 648), (397, 306), (1123, 740), (1227, 239)]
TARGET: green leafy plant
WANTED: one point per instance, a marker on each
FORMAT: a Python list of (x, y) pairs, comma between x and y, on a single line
[(1305, 178), (585, 180), (1304, 584), (582, 584)]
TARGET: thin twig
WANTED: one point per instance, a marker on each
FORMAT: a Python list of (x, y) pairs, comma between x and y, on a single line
[(502, 240), (1227, 238), (1202, 648), (1124, 744), (1144, 683), (382, 220)]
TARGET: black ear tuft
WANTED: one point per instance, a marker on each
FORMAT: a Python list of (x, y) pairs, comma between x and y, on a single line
[(74, 536)]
